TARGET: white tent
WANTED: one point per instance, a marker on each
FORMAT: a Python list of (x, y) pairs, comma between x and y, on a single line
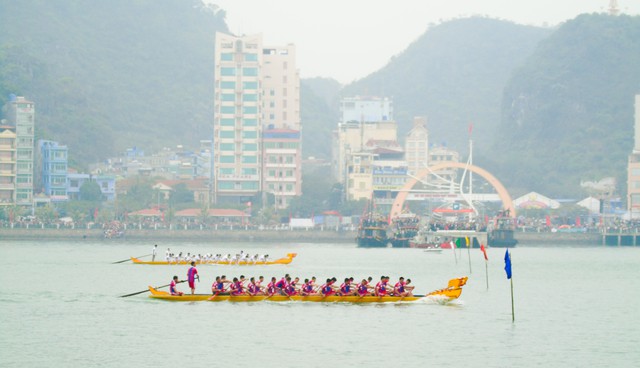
[(535, 200), (590, 203)]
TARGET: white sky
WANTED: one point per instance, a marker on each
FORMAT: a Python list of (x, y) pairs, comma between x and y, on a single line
[(349, 39)]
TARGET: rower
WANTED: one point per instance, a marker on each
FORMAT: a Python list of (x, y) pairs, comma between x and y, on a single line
[(409, 288), (307, 288), (280, 285), (328, 288), (172, 287), (363, 288), (345, 288), (381, 287), (399, 288), (236, 287), (290, 287), (271, 287), (253, 288)]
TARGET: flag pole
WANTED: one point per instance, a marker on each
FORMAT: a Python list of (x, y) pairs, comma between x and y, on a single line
[(513, 310), (486, 272), (469, 253)]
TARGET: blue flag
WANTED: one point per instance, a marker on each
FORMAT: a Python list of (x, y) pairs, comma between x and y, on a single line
[(507, 263)]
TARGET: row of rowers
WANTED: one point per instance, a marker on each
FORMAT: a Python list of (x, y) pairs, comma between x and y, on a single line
[(288, 286), (171, 257)]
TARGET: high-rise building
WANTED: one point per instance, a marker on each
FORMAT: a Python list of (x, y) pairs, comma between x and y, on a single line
[(256, 89), (282, 162), (633, 168), (362, 119), (54, 163), (21, 114), (7, 165), (417, 146)]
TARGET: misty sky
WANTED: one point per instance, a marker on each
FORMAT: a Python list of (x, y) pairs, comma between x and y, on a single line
[(349, 39)]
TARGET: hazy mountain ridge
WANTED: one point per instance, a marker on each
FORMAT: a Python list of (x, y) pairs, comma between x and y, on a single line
[(112, 74), (454, 74), (567, 113)]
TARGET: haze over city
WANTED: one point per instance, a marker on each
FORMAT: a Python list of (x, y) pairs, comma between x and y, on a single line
[(347, 40)]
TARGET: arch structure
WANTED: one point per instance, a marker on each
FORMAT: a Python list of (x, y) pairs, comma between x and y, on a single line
[(507, 202)]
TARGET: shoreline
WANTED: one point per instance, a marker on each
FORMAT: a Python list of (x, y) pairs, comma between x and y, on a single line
[(265, 236)]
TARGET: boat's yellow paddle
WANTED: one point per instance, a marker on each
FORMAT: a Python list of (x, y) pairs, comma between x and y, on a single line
[(147, 290), (128, 259)]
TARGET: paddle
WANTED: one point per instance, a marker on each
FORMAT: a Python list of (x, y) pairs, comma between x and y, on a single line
[(128, 259), (144, 291)]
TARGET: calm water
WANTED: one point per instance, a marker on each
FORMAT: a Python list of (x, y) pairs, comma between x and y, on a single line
[(574, 307)]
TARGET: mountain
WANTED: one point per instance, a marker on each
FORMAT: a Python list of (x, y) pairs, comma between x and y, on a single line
[(567, 112), (107, 75), (454, 74), (319, 115)]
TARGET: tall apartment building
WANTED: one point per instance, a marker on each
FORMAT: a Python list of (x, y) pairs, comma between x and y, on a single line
[(633, 168), (21, 114), (362, 119), (417, 146), (7, 165), (256, 89), (54, 164)]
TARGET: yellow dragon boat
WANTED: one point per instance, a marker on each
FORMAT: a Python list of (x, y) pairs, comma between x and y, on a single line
[(284, 260), (451, 292)]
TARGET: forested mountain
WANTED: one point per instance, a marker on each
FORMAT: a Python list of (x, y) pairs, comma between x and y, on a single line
[(567, 113), (106, 75), (453, 74)]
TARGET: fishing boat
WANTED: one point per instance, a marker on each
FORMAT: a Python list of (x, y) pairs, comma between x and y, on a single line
[(405, 227), (284, 260), (501, 231), (372, 232), (451, 292)]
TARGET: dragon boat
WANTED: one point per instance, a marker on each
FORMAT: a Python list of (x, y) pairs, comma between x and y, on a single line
[(451, 292), (283, 260)]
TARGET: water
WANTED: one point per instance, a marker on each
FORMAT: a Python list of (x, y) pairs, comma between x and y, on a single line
[(574, 307)]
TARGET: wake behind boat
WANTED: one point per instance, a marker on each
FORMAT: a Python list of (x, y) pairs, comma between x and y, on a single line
[(285, 260), (451, 292)]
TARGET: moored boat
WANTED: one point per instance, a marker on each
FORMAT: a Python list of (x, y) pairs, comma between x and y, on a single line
[(501, 231), (284, 260), (372, 232), (451, 292), (405, 228)]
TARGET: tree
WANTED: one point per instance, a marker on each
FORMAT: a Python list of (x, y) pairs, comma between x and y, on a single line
[(90, 191), (181, 194)]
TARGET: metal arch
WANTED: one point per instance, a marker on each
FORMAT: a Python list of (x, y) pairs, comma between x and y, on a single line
[(507, 202)]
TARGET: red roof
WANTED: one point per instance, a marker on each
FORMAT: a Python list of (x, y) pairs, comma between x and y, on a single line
[(213, 212), (147, 212)]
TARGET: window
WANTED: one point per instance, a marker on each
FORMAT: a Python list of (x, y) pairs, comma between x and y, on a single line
[(227, 171), (635, 171), (250, 57), (289, 187), (228, 109), (227, 122), (228, 85), (249, 159), (227, 146), (250, 134), (250, 72), (226, 56), (227, 134), (272, 173), (250, 109), (249, 85), (225, 185), (228, 72), (250, 122), (227, 159), (272, 104), (250, 147), (228, 97), (249, 171), (251, 97), (250, 185)]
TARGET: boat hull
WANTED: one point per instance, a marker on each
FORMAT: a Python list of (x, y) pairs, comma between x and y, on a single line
[(285, 260), (453, 291)]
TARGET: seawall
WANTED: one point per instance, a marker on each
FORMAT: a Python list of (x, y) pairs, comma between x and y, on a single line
[(267, 236)]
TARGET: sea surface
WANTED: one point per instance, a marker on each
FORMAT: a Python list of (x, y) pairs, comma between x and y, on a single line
[(574, 307)]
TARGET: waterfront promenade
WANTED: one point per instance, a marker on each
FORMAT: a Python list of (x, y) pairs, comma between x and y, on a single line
[(247, 234)]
